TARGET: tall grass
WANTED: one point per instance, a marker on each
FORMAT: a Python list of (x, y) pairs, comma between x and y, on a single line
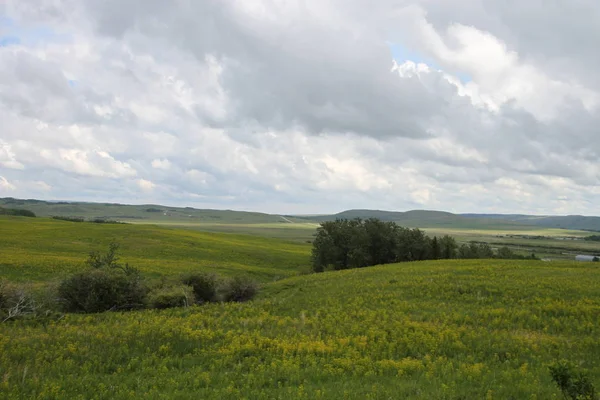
[(478, 329)]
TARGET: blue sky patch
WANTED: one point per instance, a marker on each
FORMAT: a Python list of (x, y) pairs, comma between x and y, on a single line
[(12, 33), (402, 54), (9, 41)]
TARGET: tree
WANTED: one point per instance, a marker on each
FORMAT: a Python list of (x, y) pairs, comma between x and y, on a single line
[(340, 244), (448, 247), (435, 248), (504, 253), (358, 243)]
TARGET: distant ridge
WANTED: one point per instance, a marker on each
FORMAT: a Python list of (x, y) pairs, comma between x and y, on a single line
[(141, 212), (413, 218), (423, 219), (577, 222)]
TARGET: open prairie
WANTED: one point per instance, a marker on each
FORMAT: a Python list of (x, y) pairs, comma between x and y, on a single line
[(451, 329), (44, 249)]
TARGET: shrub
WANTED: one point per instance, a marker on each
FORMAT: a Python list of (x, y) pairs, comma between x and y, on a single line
[(239, 289), (98, 290), (171, 296), (21, 303), (574, 386), (204, 285)]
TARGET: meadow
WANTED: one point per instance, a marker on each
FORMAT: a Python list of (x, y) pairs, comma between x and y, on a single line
[(34, 250), (477, 329)]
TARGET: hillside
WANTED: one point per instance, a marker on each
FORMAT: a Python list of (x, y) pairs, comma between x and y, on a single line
[(427, 330), (274, 225), (578, 222), (140, 213), (425, 219), (39, 249)]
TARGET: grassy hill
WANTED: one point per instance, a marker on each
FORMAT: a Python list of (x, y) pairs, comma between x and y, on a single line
[(141, 213), (579, 222), (427, 330), (39, 249), (427, 219)]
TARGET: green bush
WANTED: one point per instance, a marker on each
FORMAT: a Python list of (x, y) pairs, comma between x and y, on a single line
[(171, 296), (204, 285), (98, 290), (239, 289), (574, 386)]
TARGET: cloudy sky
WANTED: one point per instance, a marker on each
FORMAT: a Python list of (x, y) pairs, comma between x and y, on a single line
[(313, 106)]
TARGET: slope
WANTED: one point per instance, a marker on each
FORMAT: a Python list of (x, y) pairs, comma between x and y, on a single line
[(426, 219), (576, 222), (39, 249), (427, 330), (140, 213)]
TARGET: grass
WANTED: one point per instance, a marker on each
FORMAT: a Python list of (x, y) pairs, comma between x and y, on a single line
[(44, 249), (428, 330), (477, 329), (295, 232)]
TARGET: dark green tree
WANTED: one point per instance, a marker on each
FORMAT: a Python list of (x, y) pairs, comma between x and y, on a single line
[(435, 249), (448, 247)]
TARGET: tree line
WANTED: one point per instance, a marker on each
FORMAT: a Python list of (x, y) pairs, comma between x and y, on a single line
[(357, 243)]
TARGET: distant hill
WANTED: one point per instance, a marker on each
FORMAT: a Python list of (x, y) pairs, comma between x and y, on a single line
[(182, 215), (578, 222), (148, 212), (423, 219)]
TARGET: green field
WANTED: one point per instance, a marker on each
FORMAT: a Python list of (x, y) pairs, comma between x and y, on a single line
[(37, 249), (511, 231), (478, 329)]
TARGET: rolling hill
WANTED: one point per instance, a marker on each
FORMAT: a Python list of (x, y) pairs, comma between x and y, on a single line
[(182, 216), (425, 219), (140, 213), (579, 222), (478, 329), (41, 249)]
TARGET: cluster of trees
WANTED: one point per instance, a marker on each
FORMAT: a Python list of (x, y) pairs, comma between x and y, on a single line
[(17, 212), (357, 243)]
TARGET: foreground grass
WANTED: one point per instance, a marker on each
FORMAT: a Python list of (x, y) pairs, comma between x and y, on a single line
[(430, 330), (37, 249)]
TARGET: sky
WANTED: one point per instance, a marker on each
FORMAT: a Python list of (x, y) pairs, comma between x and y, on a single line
[(314, 106)]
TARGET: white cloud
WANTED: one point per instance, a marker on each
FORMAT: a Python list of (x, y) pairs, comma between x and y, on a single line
[(7, 157), (163, 164), (145, 185), (5, 185), (286, 107)]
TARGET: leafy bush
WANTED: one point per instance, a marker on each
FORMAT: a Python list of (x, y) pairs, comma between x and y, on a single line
[(109, 260), (574, 386), (98, 290), (205, 286), (239, 289), (171, 296)]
